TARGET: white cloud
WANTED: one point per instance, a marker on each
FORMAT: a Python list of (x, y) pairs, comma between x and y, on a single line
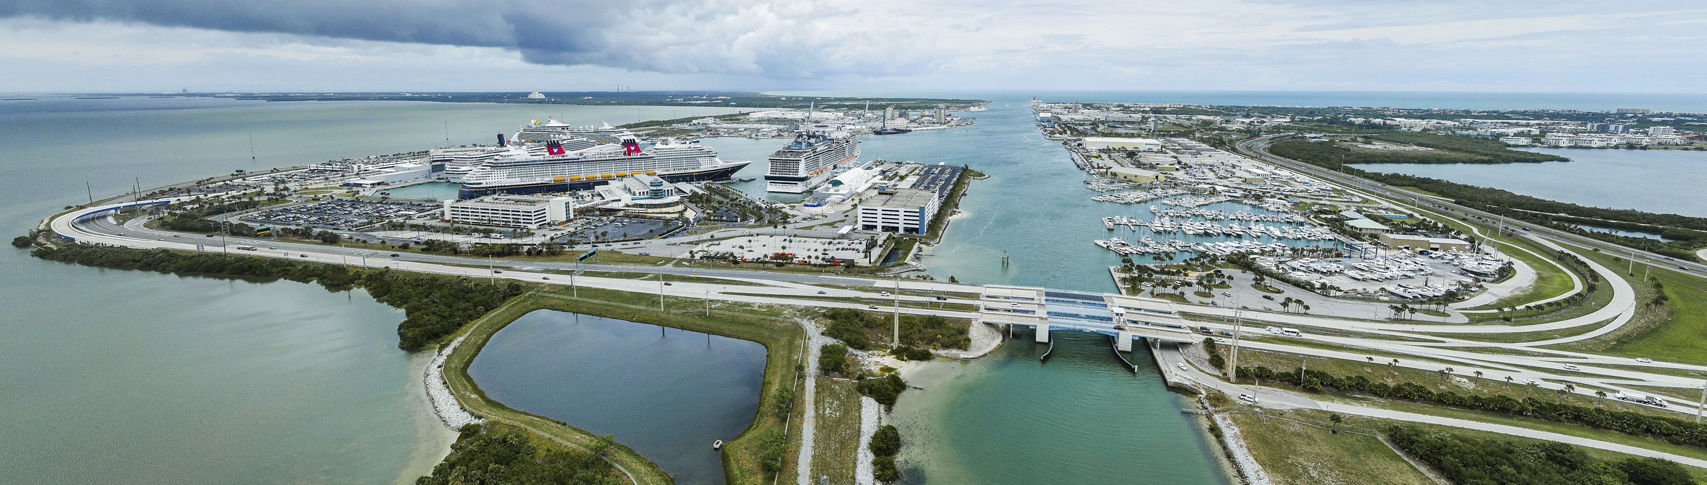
[(739, 44)]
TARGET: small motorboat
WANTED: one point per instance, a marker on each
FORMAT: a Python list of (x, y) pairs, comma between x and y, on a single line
[(717, 445)]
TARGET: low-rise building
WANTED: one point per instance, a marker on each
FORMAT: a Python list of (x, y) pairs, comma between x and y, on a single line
[(529, 211), (1367, 226), (1094, 143), (1424, 242), (907, 211), (1135, 175)]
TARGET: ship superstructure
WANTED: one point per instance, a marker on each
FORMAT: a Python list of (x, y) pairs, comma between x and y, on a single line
[(567, 162), (810, 160)]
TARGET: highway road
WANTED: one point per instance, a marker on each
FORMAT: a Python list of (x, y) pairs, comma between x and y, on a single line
[(1429, 347)]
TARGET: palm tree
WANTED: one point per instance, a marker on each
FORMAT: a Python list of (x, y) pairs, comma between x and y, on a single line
[(1602, 395), (1478, 374)]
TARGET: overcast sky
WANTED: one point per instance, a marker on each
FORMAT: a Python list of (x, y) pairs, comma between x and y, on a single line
[(868, 45)]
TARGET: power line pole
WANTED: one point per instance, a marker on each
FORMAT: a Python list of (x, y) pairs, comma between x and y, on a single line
[(897, 297)]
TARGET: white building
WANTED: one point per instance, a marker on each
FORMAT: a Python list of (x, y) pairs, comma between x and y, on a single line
[(1660, 131), (1140, 144), (529, 211), (1516, 140), (907, 211), (401, 172)]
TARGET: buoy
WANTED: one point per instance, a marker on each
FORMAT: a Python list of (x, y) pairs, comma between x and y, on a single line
[(717, 445)]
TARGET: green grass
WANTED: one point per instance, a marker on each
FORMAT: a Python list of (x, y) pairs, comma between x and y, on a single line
[(1300, 448), (1267, 289), (1680, 336), (836, 434)]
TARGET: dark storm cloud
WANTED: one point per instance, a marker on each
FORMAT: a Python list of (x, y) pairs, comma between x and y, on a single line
[(655, 35)]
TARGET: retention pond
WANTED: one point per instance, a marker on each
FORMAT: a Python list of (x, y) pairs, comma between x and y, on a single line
[(667, 393)]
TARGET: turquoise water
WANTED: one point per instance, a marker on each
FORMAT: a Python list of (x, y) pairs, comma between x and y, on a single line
[(1083, 417), (1670, 181), (666, 393)]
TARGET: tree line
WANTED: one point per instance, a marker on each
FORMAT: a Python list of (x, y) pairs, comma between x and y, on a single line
[(1470, 461), (1671, 430), (434, 306), (483, 457)]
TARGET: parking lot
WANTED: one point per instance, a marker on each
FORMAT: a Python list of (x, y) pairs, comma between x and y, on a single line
[(810, 249), (938, 178), (619, 228), (338, 214)]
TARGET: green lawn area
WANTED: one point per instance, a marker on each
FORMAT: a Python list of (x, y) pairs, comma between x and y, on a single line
[(1680, 338), (836, 435), (1299, 448)]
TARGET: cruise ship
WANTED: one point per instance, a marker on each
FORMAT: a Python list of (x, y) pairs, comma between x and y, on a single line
[(809, 161), (567, 163)]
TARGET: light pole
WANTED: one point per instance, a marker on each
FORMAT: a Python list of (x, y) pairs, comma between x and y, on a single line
[(897, 297)]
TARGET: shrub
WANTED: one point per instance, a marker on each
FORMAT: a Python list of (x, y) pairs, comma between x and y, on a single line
[(886, 441)]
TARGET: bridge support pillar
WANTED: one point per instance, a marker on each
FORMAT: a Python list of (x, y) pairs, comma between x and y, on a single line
[(1124, 341), (1042, 333)]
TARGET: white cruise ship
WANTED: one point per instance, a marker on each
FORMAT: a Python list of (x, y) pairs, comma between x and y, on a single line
[(576, 163), (809, 161)]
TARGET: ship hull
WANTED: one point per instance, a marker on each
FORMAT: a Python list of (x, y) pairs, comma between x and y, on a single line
[(720, 173)]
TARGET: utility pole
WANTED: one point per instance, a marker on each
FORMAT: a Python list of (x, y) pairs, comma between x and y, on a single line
[(897, 297), (707, 303), (491, 272), (91, 191), (1238, 328), (660, 291), (1702, 404)]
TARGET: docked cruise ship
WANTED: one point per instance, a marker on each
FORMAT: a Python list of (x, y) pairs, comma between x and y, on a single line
[(809, 161), (567, 163)]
